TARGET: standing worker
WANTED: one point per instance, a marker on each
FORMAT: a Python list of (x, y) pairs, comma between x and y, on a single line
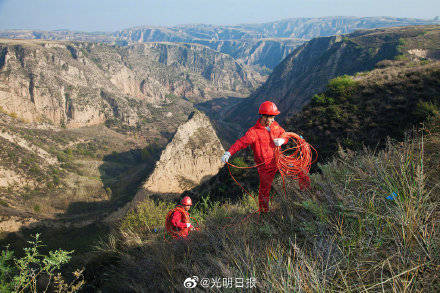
[(177, 222), (263, 138)]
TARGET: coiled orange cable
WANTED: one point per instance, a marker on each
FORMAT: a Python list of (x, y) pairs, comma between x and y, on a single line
[(295, 165)]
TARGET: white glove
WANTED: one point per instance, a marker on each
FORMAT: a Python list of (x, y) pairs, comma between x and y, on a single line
[(226, 157), (279, 141), (188, 225)]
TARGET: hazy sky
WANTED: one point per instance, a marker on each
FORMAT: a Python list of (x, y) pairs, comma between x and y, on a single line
[(111, 15)]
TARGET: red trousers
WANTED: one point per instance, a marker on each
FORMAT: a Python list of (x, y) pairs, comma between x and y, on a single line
[(267, 173)]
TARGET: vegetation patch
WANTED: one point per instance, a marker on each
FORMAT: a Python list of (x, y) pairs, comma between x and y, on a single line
[(366, 109), (36, 272)]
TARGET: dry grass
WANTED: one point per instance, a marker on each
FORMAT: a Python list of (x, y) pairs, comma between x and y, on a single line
[(344, 235)]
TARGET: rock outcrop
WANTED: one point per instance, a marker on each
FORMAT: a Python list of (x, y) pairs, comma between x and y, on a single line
[(192, 157)]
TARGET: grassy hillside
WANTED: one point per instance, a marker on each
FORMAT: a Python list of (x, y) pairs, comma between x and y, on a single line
[(57, 173), (367, 224), (353, 111), (367, 108), (309, 68)]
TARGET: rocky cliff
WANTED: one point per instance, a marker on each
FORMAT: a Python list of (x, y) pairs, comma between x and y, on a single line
[(193, 156), (308, 69), (79, 84), (82, 124), (262, 54)]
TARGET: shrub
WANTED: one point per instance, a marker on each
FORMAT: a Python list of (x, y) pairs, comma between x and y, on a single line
[(37, 208), (35, 272), (146, 217), (342, 86), (426, 109), (150, 152), (322, 100), (239, 162)]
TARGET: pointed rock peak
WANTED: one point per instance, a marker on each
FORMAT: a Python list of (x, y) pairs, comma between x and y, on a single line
[(192, 157)]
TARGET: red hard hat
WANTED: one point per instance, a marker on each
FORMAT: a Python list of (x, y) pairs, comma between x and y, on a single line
[(186, 201), (268, 108)]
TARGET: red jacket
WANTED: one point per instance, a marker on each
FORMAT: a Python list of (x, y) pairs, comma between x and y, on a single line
[(179, 220), (261, 142)]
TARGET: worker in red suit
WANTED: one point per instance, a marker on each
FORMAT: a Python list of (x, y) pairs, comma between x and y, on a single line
[(177, 222), (263, 138)]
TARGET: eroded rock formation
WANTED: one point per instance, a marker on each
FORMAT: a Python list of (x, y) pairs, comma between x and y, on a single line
[(190, 158), (79, 84)]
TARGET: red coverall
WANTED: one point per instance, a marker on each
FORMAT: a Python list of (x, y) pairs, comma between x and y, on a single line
[(261, 142), (179, 219)]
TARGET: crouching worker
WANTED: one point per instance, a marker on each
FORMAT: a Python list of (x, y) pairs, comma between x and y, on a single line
[(177, 222)]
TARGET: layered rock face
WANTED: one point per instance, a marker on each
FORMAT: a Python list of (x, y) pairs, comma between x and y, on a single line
[(80, 84), (262, 54), (192, 157), (308, 69), (193, 71), (262, 45)]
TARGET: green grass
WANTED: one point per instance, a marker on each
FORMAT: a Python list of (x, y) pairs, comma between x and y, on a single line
[(146, 217)]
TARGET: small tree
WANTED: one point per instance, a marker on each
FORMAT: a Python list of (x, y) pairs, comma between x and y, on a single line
[(23, 274)]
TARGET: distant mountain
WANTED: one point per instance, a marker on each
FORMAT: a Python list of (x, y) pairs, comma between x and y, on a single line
[(296, 28), (309, 28), (308, 69), (260, 45)]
